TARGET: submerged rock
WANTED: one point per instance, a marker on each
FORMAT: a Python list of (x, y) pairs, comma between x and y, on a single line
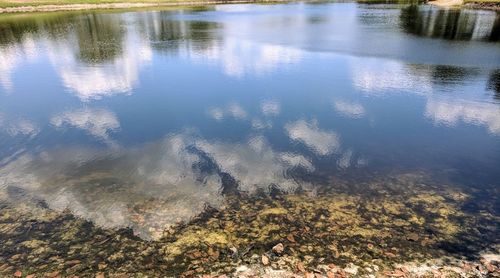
[(278, 248), (412, 237), (265, 260)]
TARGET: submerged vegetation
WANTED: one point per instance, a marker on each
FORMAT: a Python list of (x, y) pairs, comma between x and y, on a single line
[(388, 227)]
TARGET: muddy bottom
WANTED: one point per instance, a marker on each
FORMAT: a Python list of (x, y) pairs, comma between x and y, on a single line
[(399, 226)]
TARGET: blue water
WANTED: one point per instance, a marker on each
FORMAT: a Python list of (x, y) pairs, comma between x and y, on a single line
[(285, 95)]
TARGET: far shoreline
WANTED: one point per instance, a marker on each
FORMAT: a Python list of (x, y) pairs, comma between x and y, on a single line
[(30, 6)]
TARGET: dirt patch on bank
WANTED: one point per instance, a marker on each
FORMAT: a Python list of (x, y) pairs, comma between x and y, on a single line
[(447, 3)]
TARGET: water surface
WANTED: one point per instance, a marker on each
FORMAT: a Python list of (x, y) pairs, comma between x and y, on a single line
[(104, 112)]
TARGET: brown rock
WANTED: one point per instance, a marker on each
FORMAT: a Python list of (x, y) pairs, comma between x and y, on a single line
[(278, 248), (390, 255), (214, 254), (30, 276), (426, 241), (370, 246), (18, 274), (290, 238), (73, 262), (395, 273), (197, 254), (52, 274), (300, 267), (99, 275), (466, 266), (188, 273), (309, 275), (330, 274), (412, 237), (265, 260), (490, 267), (341, 273)]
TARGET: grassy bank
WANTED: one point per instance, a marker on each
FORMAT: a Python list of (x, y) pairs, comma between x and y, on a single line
[(12, 6)]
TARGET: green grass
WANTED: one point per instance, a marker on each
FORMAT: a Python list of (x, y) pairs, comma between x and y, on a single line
[(19, 3)]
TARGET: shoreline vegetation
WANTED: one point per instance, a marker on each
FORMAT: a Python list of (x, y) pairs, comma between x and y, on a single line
[(27, 6)]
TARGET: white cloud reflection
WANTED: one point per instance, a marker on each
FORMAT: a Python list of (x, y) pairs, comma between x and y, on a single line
[(161, 179), (378, 76), (270, 108), (349, 109), (321, 142), (18, 127), (91, 82), (97, 122), (237, 111), (239, 57), (233, 110), (451, 112), (255, 165), (9, 61), (216, 113), (261, 124), (12, 57), (345, 159)]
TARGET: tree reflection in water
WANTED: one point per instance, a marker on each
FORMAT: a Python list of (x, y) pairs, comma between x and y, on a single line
[(451, 24)]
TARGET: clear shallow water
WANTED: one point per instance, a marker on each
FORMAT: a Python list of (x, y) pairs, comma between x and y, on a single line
[(102, 111)]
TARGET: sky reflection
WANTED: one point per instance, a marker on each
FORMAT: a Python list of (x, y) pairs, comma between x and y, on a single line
[(173, 109)]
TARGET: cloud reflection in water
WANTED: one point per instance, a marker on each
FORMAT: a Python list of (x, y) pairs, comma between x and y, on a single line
[(18, 127), (97, 122), (451, 112), (147, 188), (320, 141), (349, 109)]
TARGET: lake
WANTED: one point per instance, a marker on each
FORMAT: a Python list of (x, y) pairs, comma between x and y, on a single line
[(304, 137)]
